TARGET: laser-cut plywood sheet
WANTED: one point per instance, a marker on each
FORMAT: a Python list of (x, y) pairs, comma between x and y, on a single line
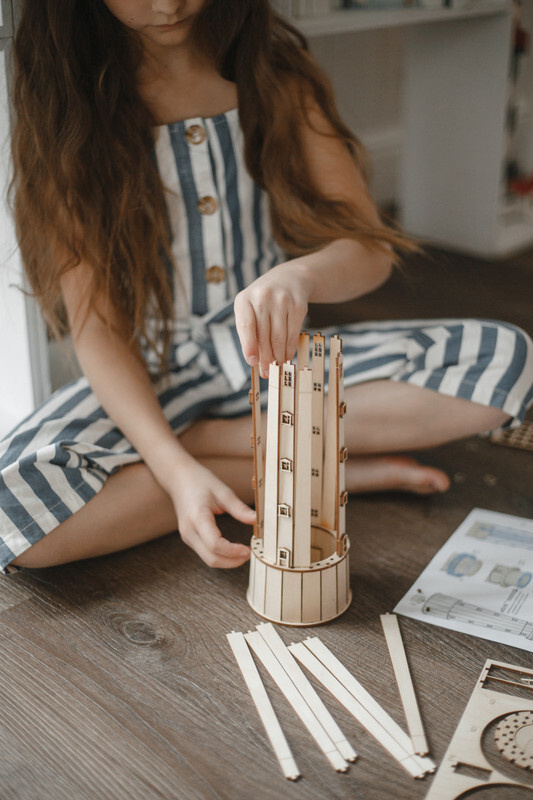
[(493, 743)]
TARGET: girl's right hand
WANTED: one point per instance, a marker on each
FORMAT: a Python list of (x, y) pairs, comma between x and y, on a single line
[(198, 496), (270, 312)]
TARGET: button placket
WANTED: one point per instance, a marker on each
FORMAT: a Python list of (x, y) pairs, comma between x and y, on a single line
[(167, 143), (197, 135)]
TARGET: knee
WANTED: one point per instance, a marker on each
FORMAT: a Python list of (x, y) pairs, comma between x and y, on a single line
[(520, 345), (492, 363), (505, 347), (518, 360), (511, 369), (39, 555)]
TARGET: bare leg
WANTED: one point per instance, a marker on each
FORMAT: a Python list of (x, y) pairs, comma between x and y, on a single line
[(384, 417), (387, 416), (131, 508)]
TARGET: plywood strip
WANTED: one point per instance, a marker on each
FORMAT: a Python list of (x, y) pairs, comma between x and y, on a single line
[(302, 474), (293, 696), (367, 701), (270, 530), (317, 427), (342, 495), (264, 706), (258, 453), (290, 665), (393, 637), (330, 483), (302, 356), (372, 725), (285, 466)]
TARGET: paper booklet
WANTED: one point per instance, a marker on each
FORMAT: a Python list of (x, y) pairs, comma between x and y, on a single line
[(480, 582)]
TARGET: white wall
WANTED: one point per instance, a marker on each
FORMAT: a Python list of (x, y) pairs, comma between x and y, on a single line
[(15, 378), (366, 71), (525, 131), (23, 357)]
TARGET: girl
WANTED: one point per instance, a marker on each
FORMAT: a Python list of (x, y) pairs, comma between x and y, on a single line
[(184, 187)]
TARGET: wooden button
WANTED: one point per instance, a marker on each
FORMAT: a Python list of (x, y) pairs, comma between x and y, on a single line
[(207, 205), (195, 134), (215, 274)]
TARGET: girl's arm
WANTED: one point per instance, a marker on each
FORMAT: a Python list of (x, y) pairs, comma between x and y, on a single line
[(269, 313), (118, 376)]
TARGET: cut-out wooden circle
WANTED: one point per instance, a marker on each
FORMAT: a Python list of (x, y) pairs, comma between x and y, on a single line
[(514, 738)]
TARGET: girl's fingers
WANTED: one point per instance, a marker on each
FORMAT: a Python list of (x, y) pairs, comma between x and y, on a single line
[(203, 535), (246, 324), (294, 327), (219, 561), (266, 354), (268, 322), (278, 335), (285, 331), (213, 548), (237, 508)]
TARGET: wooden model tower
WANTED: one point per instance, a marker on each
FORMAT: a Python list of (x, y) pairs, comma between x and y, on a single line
[(299, 567)]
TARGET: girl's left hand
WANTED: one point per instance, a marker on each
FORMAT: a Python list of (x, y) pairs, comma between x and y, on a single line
[(198, 496), (269, 315)]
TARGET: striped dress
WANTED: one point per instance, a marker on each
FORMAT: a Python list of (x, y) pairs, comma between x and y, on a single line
[(58, 458)]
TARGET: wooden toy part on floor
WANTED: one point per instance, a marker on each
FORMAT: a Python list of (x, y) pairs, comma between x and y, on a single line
[(333, 675), (496, 729), (264, 706), (393, 637), (274, 641), (299, 567), (291, 693)]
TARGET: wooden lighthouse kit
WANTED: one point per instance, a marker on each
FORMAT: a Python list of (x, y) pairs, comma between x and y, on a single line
[(299, 565)]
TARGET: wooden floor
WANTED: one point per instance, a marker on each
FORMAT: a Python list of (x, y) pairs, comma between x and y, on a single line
[(116, 679)]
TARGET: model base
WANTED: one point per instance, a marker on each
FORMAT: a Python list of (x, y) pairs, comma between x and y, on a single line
[(301, 596)]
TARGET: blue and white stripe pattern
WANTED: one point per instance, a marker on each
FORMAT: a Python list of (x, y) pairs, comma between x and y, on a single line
[(57, 460), (200, 161), (483, 361)]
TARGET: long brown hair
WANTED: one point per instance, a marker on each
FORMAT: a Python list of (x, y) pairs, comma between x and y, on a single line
[(85, 182)]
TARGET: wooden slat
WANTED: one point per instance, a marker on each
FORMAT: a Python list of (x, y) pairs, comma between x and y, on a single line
[(373, 725), (264, 706), (367, 701), (258, 453), (302, 473), (330, 479), (290, 665), (394, 641), (317, 421), (270, 530), (296, 700)]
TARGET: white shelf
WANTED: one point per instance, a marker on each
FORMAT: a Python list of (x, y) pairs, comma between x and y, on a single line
[(515, 229), (454, 100), (6, 28), (359, 19)]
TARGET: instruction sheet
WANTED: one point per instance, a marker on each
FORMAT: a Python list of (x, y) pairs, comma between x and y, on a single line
[(481, 581)]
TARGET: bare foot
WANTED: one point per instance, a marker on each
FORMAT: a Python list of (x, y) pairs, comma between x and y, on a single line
[(400, 473)]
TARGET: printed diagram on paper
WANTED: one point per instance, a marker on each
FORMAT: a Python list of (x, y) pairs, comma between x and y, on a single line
[(481, 581)]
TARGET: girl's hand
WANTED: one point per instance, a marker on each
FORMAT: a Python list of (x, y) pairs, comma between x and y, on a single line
[(269, 314), (197, 497)]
